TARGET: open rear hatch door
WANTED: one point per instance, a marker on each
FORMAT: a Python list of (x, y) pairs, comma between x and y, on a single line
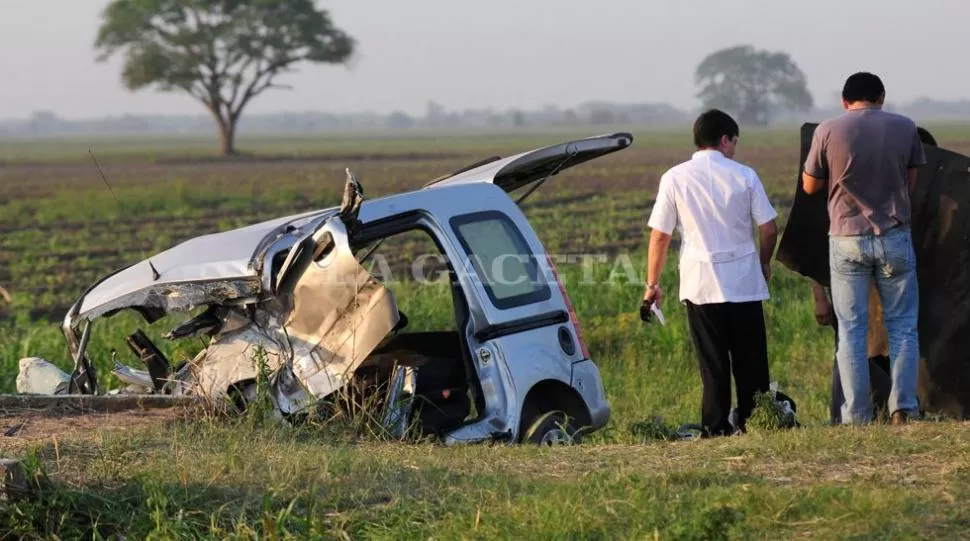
[(535, 166)]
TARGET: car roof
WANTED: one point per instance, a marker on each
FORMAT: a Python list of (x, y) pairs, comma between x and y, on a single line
[(218, 256)]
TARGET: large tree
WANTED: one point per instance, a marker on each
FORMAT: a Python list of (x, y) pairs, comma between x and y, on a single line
[(751, 83), (221, 52)]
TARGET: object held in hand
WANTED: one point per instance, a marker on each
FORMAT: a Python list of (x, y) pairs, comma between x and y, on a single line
[(649, 309), (645, 310)]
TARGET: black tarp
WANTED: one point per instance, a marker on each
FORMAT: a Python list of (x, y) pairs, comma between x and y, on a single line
[(941, 237)]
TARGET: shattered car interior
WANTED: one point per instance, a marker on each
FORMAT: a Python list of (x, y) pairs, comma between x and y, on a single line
[(291, 301)]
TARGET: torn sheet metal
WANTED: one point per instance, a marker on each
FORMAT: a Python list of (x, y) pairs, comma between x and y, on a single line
[(288, 392), (335, 315), (175, 297), (400, 400), (340, 314), (213, 321), (230, 257), (222, 257), (231, 358), (132, 376)]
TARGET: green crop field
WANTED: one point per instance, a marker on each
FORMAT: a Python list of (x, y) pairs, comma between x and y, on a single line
[(61, 229)]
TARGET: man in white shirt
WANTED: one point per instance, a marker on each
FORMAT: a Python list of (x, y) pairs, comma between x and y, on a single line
[(712, 201)]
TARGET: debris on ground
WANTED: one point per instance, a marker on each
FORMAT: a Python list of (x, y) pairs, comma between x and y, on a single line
[(654, 428), (772, 411)]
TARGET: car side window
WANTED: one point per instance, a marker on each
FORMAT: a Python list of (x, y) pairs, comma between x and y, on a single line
[(502, 259)]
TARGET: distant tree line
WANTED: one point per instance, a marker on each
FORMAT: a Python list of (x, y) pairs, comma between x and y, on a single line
[(436, 116), (592, 114)]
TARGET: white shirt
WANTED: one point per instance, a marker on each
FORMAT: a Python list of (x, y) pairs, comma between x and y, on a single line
[(712, 201)]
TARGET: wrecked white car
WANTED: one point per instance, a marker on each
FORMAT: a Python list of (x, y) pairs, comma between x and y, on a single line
[(512, 367)]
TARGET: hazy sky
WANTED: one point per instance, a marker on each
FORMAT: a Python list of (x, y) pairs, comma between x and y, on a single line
[(524, 53)]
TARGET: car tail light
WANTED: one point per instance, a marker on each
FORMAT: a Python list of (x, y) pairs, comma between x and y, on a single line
[(569, 307)]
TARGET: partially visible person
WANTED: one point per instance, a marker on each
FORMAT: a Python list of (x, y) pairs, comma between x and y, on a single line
[(712, 200), (877, 348), (868, 159)]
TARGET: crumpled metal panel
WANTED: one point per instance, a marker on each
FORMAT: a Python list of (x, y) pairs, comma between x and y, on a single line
[(133, 376), (230, 359), (340, 314), (177, 297), (400, 400), (335, 315), (224, 256)]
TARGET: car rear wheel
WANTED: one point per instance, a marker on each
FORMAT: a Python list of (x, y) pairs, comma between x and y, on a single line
[(552, 428)]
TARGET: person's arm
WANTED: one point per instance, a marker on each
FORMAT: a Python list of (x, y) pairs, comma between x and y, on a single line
[(815, 172), (917, 158), (768, 237), (823, 306), (911, 175), (663, 220), (764, 215), (656, 258), (812, 184)]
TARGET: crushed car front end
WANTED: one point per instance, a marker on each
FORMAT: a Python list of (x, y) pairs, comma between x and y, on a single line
[(286, 296)]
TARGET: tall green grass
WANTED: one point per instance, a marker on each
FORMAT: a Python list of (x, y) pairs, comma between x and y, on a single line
[(212, 481)]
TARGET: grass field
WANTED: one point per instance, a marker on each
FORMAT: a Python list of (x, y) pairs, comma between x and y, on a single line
[(61, 228)]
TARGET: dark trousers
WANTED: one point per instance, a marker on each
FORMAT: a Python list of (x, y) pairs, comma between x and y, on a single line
[(729, 338), (880, 383)]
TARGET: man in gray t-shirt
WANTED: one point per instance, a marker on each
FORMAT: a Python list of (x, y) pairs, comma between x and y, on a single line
[(868, 158)]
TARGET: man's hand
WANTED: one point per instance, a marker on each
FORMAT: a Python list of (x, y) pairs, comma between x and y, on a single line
[(651, 296), (823, 312), (767, 238)]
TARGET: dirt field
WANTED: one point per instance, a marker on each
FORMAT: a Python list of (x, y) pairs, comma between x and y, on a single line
[(24, 426)]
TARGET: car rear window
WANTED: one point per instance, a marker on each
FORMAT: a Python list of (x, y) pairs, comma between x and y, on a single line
[(501, 258)]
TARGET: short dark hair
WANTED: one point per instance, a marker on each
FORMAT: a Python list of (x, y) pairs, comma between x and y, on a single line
[(711, 125), (863, 86)]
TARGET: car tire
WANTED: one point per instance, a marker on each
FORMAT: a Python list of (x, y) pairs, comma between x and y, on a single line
[(552, 428)]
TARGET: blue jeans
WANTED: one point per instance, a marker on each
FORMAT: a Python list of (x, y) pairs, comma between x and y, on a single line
[(891, 261)]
